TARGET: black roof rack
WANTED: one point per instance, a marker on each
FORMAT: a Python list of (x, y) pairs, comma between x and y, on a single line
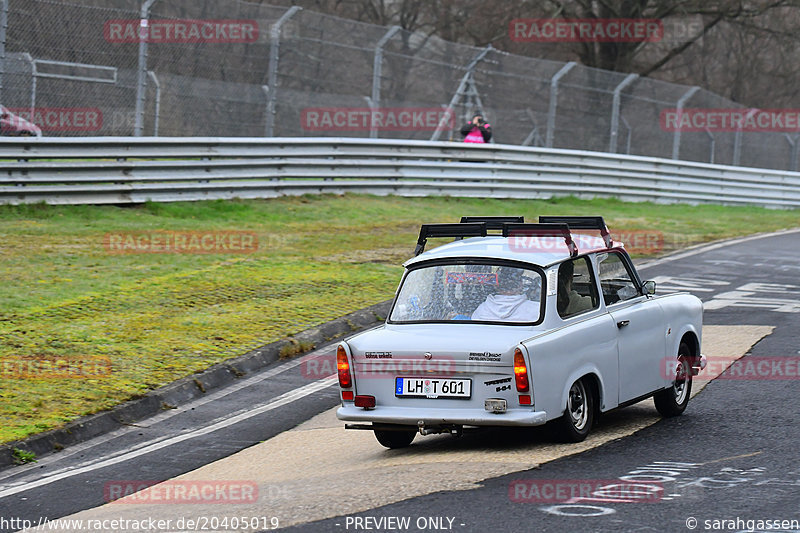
[(542, 230), (448, 230), (582, 223), (493, 222)]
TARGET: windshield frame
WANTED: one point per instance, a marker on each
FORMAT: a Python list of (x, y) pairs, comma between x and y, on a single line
[(444, 261)]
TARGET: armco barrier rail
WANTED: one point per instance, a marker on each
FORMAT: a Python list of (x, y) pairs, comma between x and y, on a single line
[(119, 170)]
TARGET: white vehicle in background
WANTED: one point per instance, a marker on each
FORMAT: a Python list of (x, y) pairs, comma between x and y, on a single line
[(14, 125), (518, 324)]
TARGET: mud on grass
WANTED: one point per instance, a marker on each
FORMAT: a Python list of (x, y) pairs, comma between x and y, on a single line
[(134, 322)]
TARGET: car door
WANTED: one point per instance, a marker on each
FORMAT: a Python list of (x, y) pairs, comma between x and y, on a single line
[(641, 338)]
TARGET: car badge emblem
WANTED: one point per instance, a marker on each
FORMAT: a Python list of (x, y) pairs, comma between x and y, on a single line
[(428, 355)]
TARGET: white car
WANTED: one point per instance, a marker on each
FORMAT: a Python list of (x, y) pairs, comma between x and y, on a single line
[(518, 324)]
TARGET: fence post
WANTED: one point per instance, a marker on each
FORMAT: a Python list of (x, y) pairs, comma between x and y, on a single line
[(534, 132), (141, 75), (274, 57), (450, 115), (630, 130), (713, 146), (551, 112), (3, 27), (676, 138), (612, 143), (737, 144), (377, 74), (158, 100)]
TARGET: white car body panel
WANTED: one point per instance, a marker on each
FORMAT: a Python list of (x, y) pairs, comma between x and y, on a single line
[(626, 361)]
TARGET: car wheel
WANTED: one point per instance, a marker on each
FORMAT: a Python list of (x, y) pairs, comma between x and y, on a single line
[(395, 438), (578, 416), (673, 400)]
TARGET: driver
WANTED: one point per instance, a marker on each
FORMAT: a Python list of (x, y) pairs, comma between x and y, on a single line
[(509, 304), (568, 301)]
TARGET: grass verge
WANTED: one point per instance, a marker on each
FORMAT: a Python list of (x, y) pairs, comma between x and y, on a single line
[(83, 328)]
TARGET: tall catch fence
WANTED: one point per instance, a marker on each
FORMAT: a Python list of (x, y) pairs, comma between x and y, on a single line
[(231, 68)]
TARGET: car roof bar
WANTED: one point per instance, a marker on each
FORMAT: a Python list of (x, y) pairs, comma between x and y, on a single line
[(542, 230), (448, 230), (582, 223), (493, 222)]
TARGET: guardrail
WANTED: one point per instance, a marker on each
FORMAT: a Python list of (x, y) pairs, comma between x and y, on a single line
[(120, 170)]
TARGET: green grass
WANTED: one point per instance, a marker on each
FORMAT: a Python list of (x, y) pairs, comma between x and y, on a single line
[(159, 317)]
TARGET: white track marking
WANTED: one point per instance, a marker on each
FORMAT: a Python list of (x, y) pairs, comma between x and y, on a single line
[(72, 450), (224, 422)]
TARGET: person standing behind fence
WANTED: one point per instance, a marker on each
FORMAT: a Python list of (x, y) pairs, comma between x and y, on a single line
[(477, 130)]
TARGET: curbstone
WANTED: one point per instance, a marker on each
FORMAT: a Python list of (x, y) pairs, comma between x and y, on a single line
[(194, 386)]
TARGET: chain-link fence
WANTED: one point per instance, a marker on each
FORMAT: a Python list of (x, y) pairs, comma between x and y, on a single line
[(234, 68)]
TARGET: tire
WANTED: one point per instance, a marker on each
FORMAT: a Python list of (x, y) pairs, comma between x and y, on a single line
[(395, 438), (578, 416), (673, 400)]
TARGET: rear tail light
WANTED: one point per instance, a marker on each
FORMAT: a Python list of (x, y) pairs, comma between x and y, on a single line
[(345, 381), (521, 372)]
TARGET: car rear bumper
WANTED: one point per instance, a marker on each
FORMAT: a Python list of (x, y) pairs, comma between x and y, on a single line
[(433, 417)]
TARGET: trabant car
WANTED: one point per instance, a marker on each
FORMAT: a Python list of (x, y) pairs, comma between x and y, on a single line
[(517, 324)]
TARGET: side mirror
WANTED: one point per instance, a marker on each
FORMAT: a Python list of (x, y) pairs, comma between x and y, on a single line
[(649, 288)]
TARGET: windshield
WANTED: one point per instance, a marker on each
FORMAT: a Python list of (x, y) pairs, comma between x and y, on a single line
[(470, 292)]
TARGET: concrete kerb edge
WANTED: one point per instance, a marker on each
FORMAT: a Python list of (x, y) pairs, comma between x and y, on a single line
[(194, 386)]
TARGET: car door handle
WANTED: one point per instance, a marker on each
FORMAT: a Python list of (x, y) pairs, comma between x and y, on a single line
[(623, 323)]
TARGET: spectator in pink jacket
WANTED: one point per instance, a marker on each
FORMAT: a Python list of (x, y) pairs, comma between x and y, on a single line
[(477, 130)]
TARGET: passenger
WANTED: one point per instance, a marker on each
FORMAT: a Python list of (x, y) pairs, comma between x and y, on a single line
[(510, 304), (568, 301)]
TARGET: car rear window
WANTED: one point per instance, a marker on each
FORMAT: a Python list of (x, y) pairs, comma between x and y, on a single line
[(470, 292)]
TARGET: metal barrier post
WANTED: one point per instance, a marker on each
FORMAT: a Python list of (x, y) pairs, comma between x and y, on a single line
[(551, 113), (377, 72), (274, 57), (141, 75), (713, 147), (737, 145), (3, 27), (612, 143), (793, 154), (676, 139), (630, 130), (158, 100), (534, 134)]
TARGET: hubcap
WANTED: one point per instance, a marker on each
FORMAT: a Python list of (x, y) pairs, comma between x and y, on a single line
[(576, 405), (679, 387)]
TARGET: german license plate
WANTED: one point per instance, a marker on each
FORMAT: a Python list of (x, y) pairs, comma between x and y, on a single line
[(433, 388)]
